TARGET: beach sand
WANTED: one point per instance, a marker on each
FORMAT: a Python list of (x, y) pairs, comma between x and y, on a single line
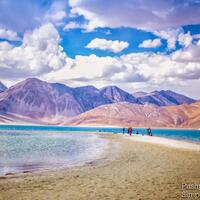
[(132, 169)]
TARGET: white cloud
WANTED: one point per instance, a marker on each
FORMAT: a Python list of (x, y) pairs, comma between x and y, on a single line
[(24, 15), (85, 69), (9, 35), (136, 69), (56, 13), (5, 46), (39, 53), (150, 43), (171, 35), (190, 54), (110, 45), (185, 39), (58, 16), (142, 14), (88, 15), (72, 25), (163, 18), (176, 35)]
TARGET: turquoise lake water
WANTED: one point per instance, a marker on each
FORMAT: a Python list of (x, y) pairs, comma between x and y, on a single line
[(30, 148), (182, 134), (25, 151)]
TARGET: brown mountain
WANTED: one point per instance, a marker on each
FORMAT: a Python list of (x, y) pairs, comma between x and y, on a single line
[(127, 114), (193, 113)]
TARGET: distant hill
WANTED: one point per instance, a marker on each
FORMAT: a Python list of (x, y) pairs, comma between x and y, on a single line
[(123, 114), (127, 114), (90, 97), (116, 94), (2, 87), (163, 98), (193, 113)]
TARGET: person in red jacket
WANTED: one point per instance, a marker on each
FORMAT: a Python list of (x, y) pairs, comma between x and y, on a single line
[(130, 131)]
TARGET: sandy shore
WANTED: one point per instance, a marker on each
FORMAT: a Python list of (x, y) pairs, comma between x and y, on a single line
[(178, 144), (132, 169)]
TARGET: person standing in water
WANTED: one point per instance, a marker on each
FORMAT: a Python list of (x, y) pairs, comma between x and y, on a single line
[(123, 130)]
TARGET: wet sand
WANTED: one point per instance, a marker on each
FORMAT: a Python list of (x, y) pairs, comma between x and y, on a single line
[(130, 170)]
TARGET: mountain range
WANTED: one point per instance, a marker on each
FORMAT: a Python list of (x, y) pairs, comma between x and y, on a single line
[(37, 101)]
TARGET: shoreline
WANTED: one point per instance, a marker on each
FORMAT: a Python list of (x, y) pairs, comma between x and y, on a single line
[(106, 154), (97, 154), (96, 126), (98, 130), (160, 141), (168, 142), (130, 169)]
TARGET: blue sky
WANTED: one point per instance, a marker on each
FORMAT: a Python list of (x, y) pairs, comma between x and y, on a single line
[(135, 44), (74, 41)]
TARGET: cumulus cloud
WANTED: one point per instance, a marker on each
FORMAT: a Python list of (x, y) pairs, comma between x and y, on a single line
[(38, 54), (171, 35), (147, 69), (41, 55), (5, 46), (143, 14), (110, 45), (163, 18), (185, 39), (56, 13), (176, 35), (190, 54), (150, 43), (8, 35), (29, 14)]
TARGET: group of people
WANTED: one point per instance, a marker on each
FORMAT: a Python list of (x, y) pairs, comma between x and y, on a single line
[(129, 130)]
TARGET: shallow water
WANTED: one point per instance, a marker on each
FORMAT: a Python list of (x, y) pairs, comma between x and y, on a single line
[(29, 148), (182, 134), (24, 151)]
